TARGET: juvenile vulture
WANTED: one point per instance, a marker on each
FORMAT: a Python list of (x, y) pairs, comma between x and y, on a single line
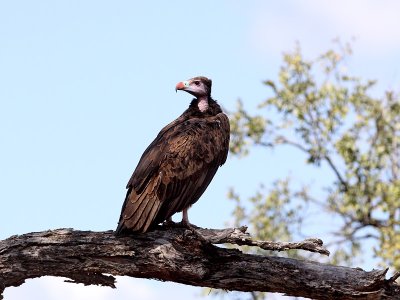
[(176, 168)]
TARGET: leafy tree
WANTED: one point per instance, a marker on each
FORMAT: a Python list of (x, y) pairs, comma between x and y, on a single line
[(335, 120)]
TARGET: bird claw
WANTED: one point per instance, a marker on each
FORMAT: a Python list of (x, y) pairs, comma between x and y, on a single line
[(185, 224)]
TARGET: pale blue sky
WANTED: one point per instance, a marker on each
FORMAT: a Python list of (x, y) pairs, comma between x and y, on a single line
[(86, 85)]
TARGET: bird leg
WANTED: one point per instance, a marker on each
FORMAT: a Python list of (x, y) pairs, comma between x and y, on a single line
[(186, 224), (183, 224), (185, 218)]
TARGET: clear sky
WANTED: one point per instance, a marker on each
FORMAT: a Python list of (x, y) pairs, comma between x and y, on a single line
[(86, 85)]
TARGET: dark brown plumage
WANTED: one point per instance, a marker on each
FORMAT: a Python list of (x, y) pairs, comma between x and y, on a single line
[(179, 164)]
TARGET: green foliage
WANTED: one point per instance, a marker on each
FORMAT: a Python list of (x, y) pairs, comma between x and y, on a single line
[(274, 214), (246, 128), (333, 118)]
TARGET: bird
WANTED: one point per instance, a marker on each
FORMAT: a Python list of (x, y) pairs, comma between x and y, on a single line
[(177, 167)]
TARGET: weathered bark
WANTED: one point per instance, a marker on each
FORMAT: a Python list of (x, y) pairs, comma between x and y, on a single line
[(184, 256)]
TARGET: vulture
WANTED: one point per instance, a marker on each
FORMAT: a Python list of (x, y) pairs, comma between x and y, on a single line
[(177, 167)]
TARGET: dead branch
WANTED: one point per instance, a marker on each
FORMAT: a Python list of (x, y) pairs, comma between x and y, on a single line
[(188, 257)]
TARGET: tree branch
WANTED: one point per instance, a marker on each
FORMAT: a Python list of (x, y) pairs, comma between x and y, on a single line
[(283, 140), (239, 236), (343, 182), (184, 256)]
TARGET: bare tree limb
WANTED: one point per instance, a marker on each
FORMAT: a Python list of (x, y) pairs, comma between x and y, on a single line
[(184, 256), (239, 236)]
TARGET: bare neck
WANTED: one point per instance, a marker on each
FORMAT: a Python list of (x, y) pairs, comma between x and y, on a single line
[(202, 103)]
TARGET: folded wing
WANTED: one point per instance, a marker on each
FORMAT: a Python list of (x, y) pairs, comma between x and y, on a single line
[(174, 171)]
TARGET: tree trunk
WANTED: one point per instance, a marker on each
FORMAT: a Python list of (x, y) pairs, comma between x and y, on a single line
[(185, 256)]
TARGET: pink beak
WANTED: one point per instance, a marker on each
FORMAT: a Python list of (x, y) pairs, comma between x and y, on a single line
[(180, 86)]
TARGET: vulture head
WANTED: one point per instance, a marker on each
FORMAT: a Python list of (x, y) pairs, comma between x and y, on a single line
[(199, 86)]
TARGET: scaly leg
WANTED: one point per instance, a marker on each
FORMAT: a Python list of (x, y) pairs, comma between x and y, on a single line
[(185, 218), (185, 222)]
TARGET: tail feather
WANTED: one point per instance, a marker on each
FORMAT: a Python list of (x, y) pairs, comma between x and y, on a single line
[(139, 210)]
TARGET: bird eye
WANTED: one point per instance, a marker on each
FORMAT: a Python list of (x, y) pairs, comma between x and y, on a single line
[(197, 83)]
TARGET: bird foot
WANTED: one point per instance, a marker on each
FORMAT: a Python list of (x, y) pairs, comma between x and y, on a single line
[(185, 224)]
